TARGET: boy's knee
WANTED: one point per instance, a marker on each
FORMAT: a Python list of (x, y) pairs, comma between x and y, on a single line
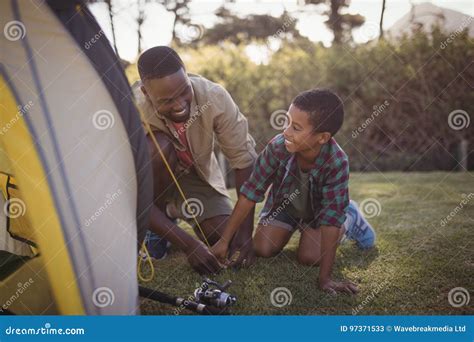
[(308, 259), (264, 250)]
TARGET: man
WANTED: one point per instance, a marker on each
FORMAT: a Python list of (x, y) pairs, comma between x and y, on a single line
[(188, 114)]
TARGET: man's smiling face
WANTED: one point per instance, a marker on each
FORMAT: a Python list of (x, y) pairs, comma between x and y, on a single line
[(170, 95)]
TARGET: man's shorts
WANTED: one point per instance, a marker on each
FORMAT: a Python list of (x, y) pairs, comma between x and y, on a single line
[(283, 219), (203, 200)]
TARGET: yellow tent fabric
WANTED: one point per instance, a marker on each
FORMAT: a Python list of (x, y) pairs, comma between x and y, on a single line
[(71, 151)]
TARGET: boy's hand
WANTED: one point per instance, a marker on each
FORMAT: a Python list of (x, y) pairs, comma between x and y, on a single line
[(333, 287), (241, 255), (220, 249)]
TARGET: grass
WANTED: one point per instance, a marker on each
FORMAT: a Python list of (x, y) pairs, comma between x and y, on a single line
[(415, 264)]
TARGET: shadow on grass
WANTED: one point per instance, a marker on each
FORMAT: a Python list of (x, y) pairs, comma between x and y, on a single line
[(351, 256)]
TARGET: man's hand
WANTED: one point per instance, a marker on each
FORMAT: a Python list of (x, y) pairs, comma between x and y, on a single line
[(333, 287), (241, 254), (202, 260)]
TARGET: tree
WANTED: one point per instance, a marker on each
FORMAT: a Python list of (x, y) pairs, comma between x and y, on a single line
[(253, 27), (340, 24), (111, 13), (140, 19), (381, 20), (180, 9)]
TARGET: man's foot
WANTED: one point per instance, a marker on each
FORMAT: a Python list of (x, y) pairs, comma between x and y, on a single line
[(156, 245), (358, 228)]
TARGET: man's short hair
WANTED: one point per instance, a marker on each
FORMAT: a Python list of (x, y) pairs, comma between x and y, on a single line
[(158, 62), (325, 109)]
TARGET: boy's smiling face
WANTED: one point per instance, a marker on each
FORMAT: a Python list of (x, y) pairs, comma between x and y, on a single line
[(300, 135)]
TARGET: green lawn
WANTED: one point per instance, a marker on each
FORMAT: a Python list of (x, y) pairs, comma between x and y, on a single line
[(416, 262)]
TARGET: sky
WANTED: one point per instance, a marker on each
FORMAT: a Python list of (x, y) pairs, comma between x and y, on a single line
[(158, 23)]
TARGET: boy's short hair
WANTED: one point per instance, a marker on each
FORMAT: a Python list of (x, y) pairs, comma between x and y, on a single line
[(158, 62), (325, 109)]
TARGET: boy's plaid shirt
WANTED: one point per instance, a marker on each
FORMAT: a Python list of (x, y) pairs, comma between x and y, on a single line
[(329, 179)]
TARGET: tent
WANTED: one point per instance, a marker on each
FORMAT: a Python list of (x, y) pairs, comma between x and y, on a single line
[(75, 178)]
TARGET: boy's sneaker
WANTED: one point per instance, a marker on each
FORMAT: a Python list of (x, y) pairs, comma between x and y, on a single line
[(357, 227)]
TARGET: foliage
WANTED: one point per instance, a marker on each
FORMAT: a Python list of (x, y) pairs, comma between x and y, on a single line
[(258, 27), (397, 96)]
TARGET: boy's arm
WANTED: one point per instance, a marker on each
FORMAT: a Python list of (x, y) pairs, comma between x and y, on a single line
[(252, 191), (231, 130), (240, 212), (329, 241), (242, 240), (242, 208), (334, 202)]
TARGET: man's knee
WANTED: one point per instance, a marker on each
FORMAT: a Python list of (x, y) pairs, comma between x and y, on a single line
[(166, 146), (212, 228), (161, 176)]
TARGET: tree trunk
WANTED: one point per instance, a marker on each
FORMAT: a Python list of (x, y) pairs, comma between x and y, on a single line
[(381, 20), (463, 154), (140, 20), (335, 21), (173, 32), (112, 27)]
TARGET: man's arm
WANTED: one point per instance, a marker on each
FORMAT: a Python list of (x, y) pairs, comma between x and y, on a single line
[(199, 256)]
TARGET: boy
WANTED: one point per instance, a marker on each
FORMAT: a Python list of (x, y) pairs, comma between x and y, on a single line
[(309, 174)]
